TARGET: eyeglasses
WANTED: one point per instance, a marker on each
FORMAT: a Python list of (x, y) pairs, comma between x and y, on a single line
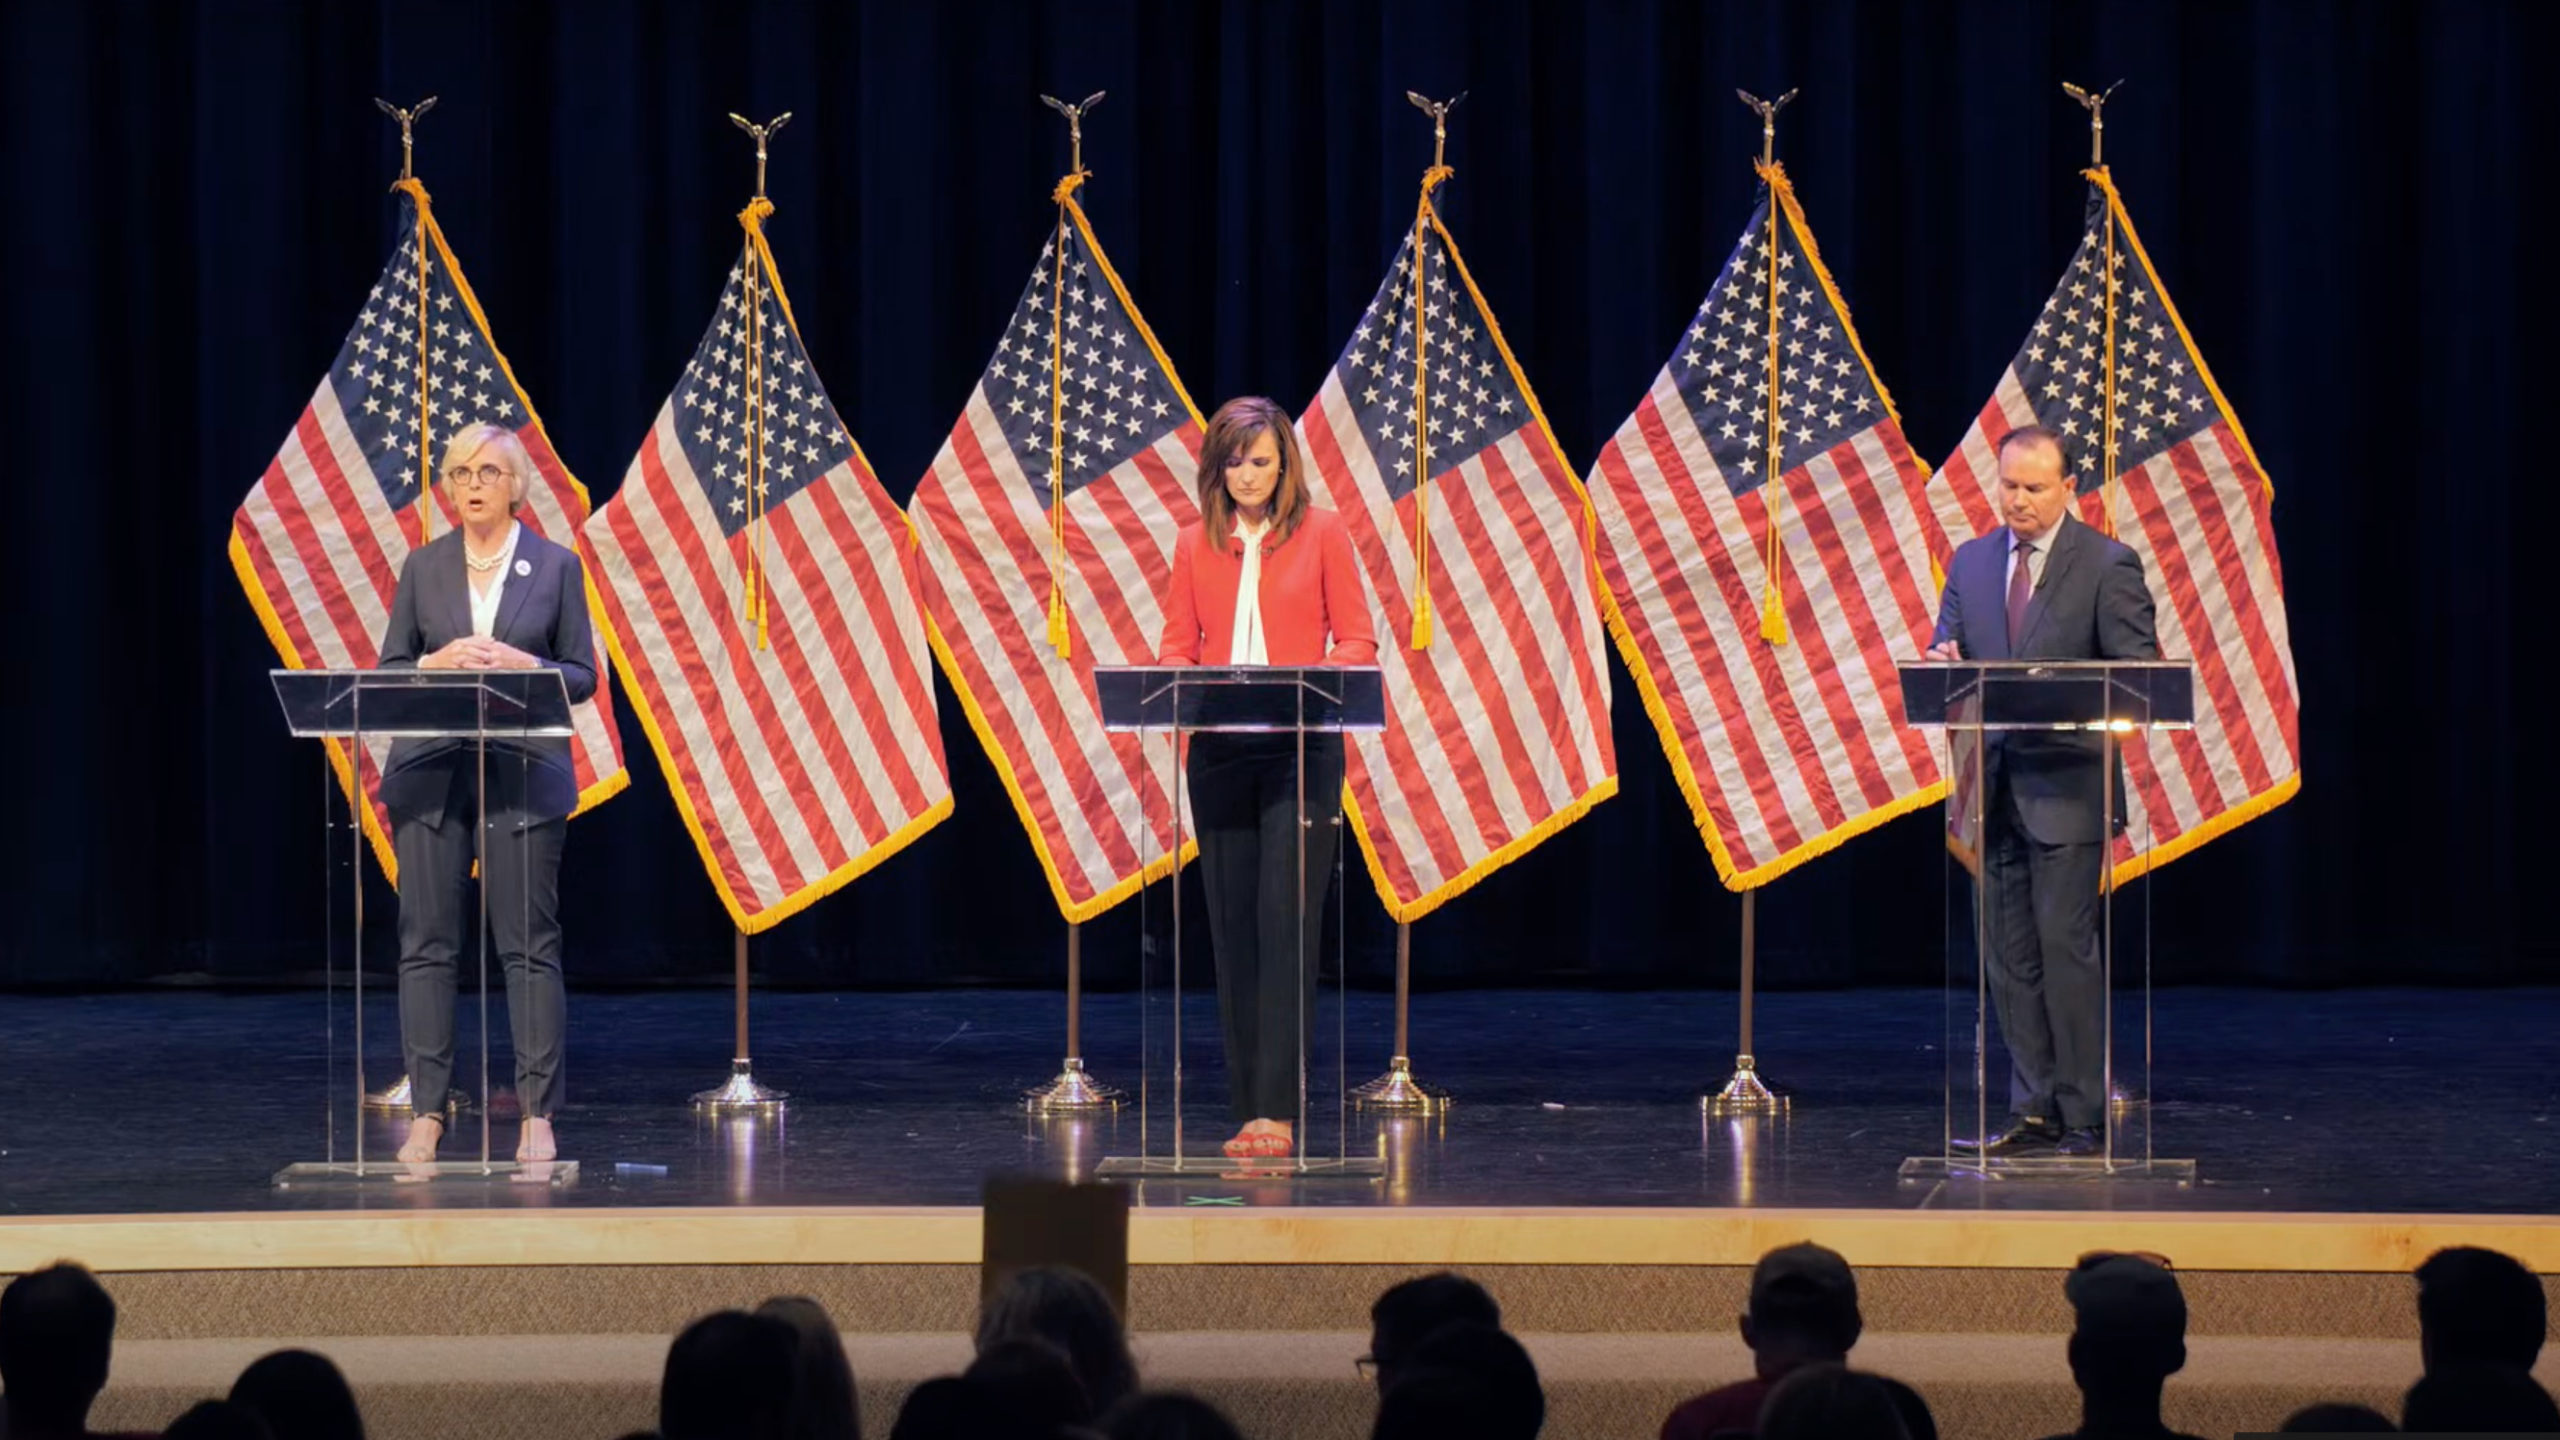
[(1366, 1366), (487, 476)]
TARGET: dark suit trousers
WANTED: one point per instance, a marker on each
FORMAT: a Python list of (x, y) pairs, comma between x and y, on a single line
[(438, 915), (1244, 802), (2047, 980)]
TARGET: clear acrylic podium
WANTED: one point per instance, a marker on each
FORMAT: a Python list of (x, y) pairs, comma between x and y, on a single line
[(1179, 1134), (363, 711), (2061, 708)]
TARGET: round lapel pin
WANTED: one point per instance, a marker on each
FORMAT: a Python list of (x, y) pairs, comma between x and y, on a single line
[(524, 568)]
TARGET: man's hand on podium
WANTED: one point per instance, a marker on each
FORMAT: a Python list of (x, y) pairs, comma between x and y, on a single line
[(1944, 650)]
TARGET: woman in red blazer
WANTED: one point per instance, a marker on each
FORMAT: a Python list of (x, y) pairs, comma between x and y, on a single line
[(1265, 578)]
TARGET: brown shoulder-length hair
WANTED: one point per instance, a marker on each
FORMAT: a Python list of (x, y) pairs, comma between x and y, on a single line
[(1231, 432)]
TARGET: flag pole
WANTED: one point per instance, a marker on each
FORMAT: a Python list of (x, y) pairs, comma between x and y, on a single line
[(1397, 1092), (1423, 216), (395, 1096), (2096, 104), (408, 181), (1061, 633), (741, 1093), (1746, 1093), (1074, 1092), (1773, 610), (752, 266)]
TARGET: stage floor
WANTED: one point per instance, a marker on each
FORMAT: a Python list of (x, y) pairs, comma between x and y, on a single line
[(2413, 1102)]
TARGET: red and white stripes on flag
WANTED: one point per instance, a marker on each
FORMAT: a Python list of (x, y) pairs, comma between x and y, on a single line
[(2192, 501), (1784, 749), (763, 588), (1497, 729), (1098, 812), (319, 541)]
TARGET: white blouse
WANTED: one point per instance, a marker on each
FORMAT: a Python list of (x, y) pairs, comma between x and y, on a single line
[(484, 603), (1248, 647)]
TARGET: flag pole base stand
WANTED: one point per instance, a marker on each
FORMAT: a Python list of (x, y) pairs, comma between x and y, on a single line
[(741, 1094), (1744, 1094), (1398, 1093), (1073, 1093)]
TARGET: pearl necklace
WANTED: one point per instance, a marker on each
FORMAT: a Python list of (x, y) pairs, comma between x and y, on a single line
[(480, 565)]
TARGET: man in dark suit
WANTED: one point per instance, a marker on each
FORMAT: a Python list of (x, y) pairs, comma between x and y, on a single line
[(2045, 587)]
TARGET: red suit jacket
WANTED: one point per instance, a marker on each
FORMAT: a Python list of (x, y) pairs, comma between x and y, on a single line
[(1310, 591)]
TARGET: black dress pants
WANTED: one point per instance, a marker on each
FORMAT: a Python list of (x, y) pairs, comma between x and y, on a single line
[(2046, 975), (439, 916), (1265, 924)]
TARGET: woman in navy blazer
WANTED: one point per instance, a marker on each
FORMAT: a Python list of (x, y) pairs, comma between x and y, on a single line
[(488, 594)]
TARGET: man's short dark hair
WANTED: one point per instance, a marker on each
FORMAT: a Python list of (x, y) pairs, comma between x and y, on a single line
[(2035, 435), (2129, 1327), (1805, 1295), (1408, 1313), (2478, 1306), (57, 1329)]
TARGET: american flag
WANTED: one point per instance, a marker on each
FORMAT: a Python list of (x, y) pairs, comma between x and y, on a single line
[(1497, 732), (2193, 503), (319, 542), (803, 749), (1783, 750), (1098, 812)]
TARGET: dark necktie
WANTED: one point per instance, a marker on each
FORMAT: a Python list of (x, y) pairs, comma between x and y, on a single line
[(2022, 585)]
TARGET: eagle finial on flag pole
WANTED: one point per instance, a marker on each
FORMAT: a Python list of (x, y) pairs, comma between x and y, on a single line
[(762, 133), (2096, 105), (408, 120)]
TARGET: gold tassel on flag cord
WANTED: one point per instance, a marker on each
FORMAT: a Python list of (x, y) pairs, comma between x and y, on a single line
[(757, 262), (1061, 634), (1773, 609), (1061, 631), (409, 185), (1422, 222), (757, 585)]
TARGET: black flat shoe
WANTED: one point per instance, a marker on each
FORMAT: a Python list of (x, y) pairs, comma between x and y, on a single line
[(2082, 1142), (2023, 1135)]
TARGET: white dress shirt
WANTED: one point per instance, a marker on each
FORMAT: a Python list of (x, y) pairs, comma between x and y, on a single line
[(1248, 646), (484, 603)]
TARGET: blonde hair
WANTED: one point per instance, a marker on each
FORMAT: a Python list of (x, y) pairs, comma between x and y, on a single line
[(470, 440)]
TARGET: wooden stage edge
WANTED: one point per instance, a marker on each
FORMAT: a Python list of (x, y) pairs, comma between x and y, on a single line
[(1416, 1237)]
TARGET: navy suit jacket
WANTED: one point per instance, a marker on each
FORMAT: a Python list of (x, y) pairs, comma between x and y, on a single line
[(2092, 604), (542, 612)]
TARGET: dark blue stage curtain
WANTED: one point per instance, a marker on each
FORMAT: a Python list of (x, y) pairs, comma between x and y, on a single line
[(2335, 193)]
